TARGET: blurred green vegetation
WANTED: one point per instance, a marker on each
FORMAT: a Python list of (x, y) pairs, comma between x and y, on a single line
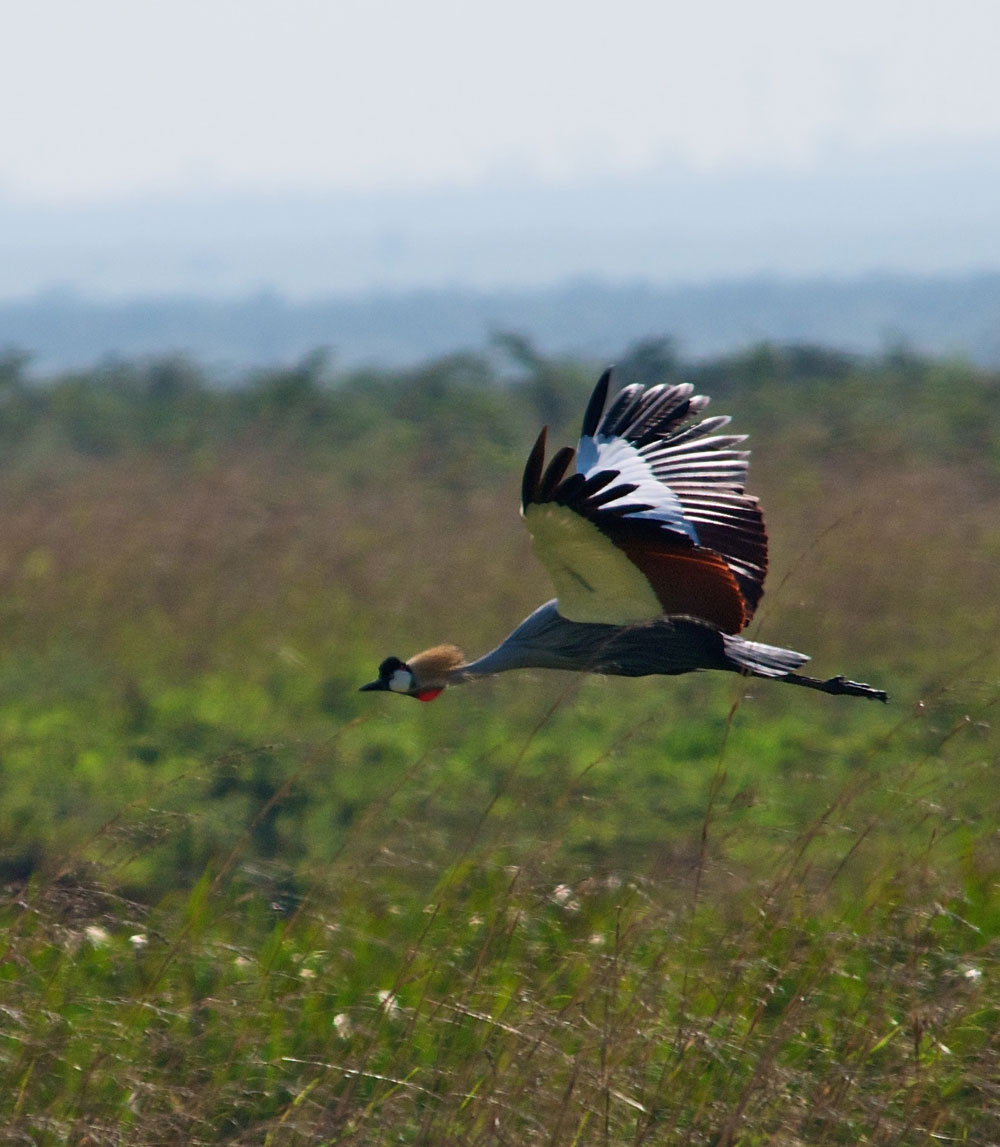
[(694, 910), (195, 580)]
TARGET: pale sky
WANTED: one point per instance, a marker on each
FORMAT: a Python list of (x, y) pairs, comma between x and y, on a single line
[(112, 98)]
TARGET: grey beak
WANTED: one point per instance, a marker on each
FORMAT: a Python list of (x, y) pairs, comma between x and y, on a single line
[(373, 686)]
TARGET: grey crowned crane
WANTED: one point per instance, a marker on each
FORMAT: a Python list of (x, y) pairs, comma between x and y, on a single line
[(656, 553)]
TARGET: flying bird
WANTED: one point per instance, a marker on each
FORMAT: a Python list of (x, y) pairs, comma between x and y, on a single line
[(657, 555)]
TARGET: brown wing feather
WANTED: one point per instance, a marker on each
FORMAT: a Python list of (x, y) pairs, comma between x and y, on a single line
[(688, 580)]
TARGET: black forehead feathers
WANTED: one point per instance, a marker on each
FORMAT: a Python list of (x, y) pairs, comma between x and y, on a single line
[(389, 666)]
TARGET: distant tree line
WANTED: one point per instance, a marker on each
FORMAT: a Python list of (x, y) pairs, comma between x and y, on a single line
[(895, 401)]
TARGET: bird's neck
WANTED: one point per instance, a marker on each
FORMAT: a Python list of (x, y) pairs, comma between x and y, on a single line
[(525, 648)]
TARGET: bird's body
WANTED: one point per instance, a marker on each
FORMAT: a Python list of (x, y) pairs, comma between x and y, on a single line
[(657, 555)]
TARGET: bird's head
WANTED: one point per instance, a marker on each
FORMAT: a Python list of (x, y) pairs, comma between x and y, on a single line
[(425, 676)]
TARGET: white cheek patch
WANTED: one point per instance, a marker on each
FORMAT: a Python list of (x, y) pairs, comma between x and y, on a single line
[(401, 681)]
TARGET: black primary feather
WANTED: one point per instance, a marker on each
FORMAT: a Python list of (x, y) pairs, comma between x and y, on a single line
[(595, 408), (554, 473), (533, 469)]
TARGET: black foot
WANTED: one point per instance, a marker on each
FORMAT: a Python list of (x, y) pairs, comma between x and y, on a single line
[(838, 686), (854, 689)]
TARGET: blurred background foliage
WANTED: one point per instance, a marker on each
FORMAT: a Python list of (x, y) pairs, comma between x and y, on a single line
[(196, 578), (243, 903)]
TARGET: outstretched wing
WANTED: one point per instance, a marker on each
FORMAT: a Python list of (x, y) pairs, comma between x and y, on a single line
[(653, 518)]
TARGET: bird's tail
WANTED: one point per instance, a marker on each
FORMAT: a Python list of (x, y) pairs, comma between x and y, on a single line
[(762, 660)]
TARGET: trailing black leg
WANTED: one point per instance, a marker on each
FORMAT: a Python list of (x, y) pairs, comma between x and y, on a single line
[(838, 685)]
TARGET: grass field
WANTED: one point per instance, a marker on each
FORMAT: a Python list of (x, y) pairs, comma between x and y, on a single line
[(244, 904)]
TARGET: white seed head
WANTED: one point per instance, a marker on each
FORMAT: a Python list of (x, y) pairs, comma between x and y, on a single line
[(97, 935)]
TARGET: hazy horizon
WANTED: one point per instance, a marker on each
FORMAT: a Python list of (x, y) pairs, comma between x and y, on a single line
[(951, 318), (343, 149), (896, 212)]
